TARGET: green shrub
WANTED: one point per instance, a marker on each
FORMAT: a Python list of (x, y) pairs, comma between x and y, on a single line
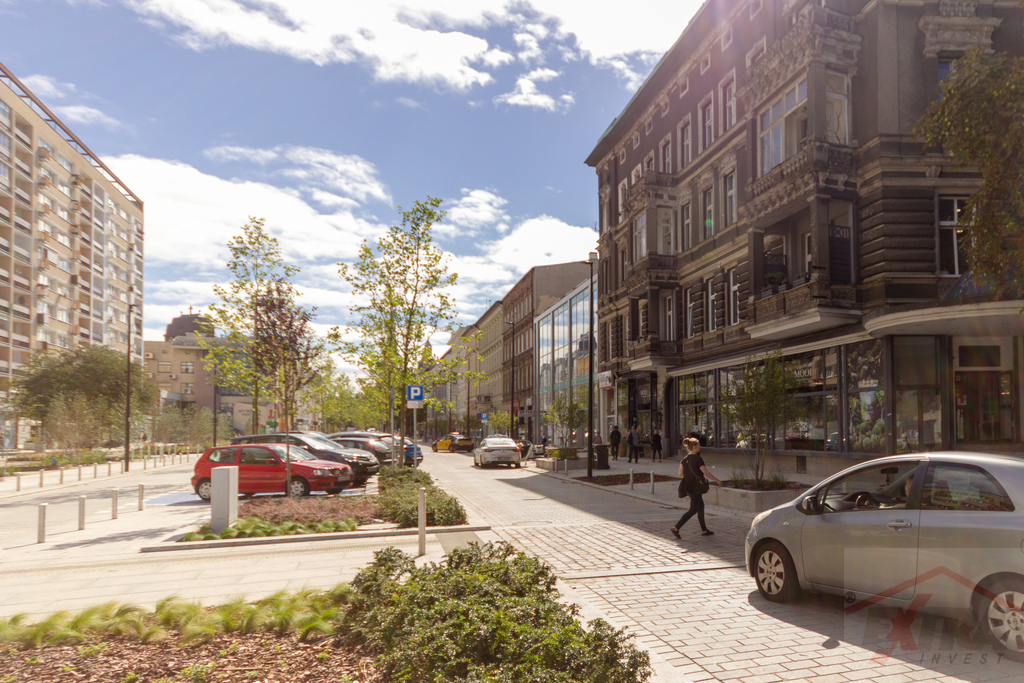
[(487, 613), (399, 496)]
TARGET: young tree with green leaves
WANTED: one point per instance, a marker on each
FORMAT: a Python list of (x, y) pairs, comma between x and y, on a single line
[(229, 338), (400, 284), (499, 420), (565, 416), (759, 401), (979, 122)]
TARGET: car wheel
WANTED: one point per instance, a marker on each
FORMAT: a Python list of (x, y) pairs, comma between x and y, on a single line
[(434, 447), (1001, 617), (299, 487), (204, 488), (518, 465), (775, 573)]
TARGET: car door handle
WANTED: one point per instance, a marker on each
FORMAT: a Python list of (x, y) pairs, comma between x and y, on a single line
[(899, 524)]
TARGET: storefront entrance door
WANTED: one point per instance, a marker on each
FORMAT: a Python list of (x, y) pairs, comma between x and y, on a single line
[(984, 406)]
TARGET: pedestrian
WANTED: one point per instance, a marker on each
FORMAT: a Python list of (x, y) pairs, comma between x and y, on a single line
[(633, 441), (614, 439), (694, 475), (544, 444), (597, 438), (656, 447)]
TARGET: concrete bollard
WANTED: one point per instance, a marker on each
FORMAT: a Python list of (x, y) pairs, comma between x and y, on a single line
[(121, 463), (142, 489), (110, 466), (81, 512), (145, 463), (223, 497), (79, 473), (17, 481), (630, 479), (422, 521), (41, 535), (652, 481), (62, 474), (113, 503), (41, 472), (95, 469)]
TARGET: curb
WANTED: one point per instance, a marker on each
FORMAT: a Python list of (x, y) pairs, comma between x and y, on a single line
[(305, 538), (630, 494)]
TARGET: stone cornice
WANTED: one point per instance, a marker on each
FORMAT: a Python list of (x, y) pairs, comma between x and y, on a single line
[(957, 33)]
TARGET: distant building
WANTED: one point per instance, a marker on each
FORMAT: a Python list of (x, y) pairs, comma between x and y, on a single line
[(764, 188), (71, 244)]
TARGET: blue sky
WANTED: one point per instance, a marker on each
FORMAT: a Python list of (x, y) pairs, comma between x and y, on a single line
[(323, 117)]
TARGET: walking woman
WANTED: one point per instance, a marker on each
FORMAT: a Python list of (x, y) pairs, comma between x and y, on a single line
[(656, 455), (689, 469)]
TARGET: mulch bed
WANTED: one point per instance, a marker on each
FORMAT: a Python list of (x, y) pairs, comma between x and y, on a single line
[(363, 509), (622, 479), (232, 658)]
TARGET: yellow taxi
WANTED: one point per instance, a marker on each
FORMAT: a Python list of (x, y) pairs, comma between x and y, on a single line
[(453, 442)]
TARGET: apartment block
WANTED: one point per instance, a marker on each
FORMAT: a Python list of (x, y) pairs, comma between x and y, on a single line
[(764, 189), (71, 242)]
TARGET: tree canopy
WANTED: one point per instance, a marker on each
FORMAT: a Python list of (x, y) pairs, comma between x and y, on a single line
[(979, 122)]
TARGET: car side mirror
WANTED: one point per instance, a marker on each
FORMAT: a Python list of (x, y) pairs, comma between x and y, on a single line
[(809, 506)]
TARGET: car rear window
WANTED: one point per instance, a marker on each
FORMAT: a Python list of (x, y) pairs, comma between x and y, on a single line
[(500, 442)]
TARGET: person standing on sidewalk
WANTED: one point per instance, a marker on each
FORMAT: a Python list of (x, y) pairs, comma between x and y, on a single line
[(633, 441), (690, 469), (656, 455), (614, 439)]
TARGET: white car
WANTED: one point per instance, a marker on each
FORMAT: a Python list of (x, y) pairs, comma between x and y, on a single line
[(495, 450)]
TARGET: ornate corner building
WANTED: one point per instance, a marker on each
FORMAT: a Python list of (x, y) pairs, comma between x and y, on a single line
[(764, 189), (71, 243)]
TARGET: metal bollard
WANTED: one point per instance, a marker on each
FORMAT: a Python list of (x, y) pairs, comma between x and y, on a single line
[(652, 481), (62, 474), (41, 536), (630, 479), (110, 466), (95, 469), (121, 462), (113, 503), (79, 473), (145, 463), (142, 490), (41, 471), (17, 481), (81, 512), (422, 520)]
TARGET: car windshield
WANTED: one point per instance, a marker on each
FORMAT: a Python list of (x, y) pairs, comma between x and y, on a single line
[(297, 454), (321, 442)]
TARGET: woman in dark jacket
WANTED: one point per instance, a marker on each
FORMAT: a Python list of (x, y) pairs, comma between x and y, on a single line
[(688, 469), (656, 447)]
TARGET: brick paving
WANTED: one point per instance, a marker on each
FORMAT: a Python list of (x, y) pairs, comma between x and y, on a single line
[(687, 601)]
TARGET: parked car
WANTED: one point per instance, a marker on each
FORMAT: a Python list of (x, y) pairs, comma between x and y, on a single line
[(261, 469), (370, 444), (941, 530), (495, 450), (363, 464), (410, 447), (453, 442)]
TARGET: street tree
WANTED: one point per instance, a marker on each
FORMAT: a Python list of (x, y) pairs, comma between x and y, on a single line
[(500, 420), (565, 416), (73, 425), (290, 354), (979, 122), (757, 402), (400, 284), (228, 338), (94, 373)]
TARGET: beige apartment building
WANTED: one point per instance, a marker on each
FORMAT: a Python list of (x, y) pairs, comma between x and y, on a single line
[(71, 245)]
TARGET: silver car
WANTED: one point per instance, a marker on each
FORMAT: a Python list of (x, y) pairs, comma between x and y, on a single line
[(497, 450), (945, 527)]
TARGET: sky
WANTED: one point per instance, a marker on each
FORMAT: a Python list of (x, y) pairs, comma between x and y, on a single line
[(326, 116)]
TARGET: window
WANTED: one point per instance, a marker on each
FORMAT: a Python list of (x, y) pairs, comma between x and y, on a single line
[(963, 487), (685, 147), (684, 87), (5, 112), (664, 108), (667, 318), (707, 201), (668, 240), (712, 299), (734, 297), (188, 388), (886, 483), (783, 127), (636, 140), (649, 162), (65, 163), (665, 154), (685, 225), (726, 39), (188, 367), (622, 156), (836, 124), (635, 176), (728, 98), (648, 126), (756, 52), (729, 195), (705, 62), (5, 145), (951, 236), (163, 366), (640, 237), (5, 175), (707, 123), (808, 253), (691, 322), (623, 193)]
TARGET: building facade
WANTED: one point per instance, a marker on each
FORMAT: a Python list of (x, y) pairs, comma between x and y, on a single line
[(71, 244), (764, 189)]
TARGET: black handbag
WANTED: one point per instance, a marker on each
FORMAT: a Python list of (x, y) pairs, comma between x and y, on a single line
[(700, 482)]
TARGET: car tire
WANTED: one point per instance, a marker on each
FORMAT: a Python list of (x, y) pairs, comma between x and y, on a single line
[(1000, 616), (204, 488), (519, 465), (775, 573), (434, 447), (299, 487)]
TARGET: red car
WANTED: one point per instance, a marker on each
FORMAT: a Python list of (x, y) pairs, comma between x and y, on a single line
[(261, 469)]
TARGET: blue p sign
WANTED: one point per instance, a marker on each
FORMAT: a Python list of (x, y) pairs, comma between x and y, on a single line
[(414, 392)]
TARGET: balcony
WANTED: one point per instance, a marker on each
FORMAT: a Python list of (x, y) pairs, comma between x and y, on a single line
[(22, 137), (648, 352), (650, 270), (5, 213), (804, 308), (22, 166), (19, 281), (22, 195)]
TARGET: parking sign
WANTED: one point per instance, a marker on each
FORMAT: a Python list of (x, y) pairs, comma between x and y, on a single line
[(414, 396)]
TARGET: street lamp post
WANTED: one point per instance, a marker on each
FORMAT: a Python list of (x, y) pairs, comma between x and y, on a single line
[(513, 413), (128, 393), (591, 260)]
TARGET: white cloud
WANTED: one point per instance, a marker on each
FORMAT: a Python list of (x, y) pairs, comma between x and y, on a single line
[(86, 116), (474, 212), (526, 93), (409, 102), (48, 87)]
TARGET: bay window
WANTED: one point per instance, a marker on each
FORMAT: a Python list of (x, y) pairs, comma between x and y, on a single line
[(783, 127)]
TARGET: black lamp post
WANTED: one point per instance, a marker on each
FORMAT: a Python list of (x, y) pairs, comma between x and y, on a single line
[(591, 260), (514, 414), (128, 392)]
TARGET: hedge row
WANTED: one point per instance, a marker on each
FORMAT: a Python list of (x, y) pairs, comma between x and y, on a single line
[(399, 496)]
